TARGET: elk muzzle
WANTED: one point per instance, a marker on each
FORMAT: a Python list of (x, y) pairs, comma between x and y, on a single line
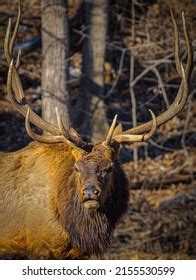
[(91, 195)]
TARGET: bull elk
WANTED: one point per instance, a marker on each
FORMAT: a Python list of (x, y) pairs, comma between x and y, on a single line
[(61, 197)]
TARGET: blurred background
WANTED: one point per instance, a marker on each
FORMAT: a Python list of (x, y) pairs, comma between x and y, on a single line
[(95, 59)]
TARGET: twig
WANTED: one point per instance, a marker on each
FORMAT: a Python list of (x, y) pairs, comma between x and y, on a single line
[(120, 69), (160, 146), (133, 102), (131, 87), (166, 183), (165, 84), (158, 62), (30, 74), (161, 86), (133, 20), (107, 43)]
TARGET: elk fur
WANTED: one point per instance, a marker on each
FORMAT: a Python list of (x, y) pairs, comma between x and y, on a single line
[(49, 208), (41, 216)]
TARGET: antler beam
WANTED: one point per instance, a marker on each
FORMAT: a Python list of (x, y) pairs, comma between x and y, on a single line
[(17, 98), (178, 104)]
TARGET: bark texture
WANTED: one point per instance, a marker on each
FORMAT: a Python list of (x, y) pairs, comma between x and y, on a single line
[(98, 34), (55, 63), (91, 109)]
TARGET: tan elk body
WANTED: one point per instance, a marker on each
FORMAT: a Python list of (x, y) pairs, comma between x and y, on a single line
[(60, 197), (40, 182)]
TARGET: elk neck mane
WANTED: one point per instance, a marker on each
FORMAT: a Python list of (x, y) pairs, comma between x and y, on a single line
[(91, 231)]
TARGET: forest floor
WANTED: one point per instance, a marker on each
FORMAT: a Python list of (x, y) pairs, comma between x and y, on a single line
[(161, 220)]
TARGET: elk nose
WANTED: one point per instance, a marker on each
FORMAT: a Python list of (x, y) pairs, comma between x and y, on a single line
[(90, 191)]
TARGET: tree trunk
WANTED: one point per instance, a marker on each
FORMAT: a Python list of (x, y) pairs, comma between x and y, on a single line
[(92, 111), (54, 60), (98, 33)]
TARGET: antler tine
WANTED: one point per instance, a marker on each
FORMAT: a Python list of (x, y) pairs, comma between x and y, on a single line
[(26, 110), (138, 137), (45, 138), (15, 90), (18, 59), (182, 94), (17, 87), (14, 34), (110, 133), (188, 46), (60, 123), (177, 44), (16, 84), (189, 65), (34, 118)]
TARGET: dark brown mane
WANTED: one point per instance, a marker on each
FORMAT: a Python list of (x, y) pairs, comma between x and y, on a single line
[(91, 232)]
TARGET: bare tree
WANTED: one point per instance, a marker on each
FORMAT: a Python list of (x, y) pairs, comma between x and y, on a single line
[(55, 63), (91, 108)]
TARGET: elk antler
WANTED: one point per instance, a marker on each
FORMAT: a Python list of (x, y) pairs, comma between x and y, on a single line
[(17, 97), (117, 133), (138, 133)]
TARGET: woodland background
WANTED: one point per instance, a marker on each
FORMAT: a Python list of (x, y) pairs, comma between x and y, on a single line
[(138, 73)]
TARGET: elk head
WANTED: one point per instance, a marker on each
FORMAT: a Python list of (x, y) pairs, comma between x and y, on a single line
[(94, 164), (93, 173)]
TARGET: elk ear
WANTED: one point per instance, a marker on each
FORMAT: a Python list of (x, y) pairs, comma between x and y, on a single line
[(111, 151), (114, 148), (78, 153)]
